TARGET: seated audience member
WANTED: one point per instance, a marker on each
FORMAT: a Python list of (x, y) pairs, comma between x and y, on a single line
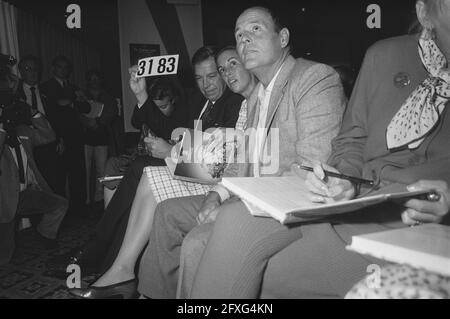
[(65, 104), (150, 192), (302, 99), (97, 130), (29, 91), (164, 112), (23, 190), (394, 130), (221, 109)]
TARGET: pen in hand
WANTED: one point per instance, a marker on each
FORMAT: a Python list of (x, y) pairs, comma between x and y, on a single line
[(326, 189), (341, 176)]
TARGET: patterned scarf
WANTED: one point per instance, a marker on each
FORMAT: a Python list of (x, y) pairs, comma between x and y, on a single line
[(420, 113)]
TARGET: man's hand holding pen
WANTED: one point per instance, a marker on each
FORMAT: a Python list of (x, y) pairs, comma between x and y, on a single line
[(327, 189)]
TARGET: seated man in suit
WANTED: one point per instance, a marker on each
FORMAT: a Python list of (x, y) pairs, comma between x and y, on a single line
[(161, 114), (29, 91), (23, 191), (218, 107)]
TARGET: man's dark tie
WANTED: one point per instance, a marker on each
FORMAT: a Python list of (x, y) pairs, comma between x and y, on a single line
[(20, 164), (207, 111), (33, 98)]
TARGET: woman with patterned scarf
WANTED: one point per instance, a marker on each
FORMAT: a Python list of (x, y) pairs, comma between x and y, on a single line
[(396, 130)]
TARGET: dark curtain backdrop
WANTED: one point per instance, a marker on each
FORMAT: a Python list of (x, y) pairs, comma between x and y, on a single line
[(39, 38), (330, 31)]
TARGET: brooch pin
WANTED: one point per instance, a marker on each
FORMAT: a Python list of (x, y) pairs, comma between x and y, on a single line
[(401, 80)]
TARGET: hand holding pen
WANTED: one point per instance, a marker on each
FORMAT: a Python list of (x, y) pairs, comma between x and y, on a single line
[(329, 186), (325, 186)]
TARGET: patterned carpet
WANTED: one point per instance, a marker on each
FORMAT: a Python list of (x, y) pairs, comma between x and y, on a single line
[(28, 276)]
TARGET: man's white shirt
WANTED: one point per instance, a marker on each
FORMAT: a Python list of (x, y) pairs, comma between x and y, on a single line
[(264, 96)]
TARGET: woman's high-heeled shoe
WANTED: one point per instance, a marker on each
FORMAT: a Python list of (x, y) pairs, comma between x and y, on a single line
[(124, 290)]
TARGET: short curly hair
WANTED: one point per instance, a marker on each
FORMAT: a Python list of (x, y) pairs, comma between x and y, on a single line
[(161, 88)]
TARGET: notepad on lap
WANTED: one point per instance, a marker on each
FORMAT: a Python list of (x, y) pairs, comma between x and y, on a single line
[(190, 172), (425, 246), (287, 199)]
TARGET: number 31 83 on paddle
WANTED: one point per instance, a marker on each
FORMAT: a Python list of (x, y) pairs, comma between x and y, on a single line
[(159, 65)]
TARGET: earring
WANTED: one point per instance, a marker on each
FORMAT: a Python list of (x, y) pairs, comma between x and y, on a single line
[(430, 31), (433, 33), (425, 34)]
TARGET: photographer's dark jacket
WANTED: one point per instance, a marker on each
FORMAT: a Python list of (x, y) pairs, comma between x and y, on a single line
[(30, 137), (224, 113)]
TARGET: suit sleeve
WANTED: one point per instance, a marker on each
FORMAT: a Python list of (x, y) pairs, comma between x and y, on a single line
[(139, 115), (348, 146), (436, 170), (320, 103)]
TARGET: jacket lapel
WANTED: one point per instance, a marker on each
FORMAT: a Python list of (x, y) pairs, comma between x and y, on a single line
[(276, 97), (278, 89), (246, 169), (43, 99), (275, 100), (253, 108), (10, 158), (20, 92)]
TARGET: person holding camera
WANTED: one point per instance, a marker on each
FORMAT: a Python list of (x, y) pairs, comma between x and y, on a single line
[(23, 190)]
